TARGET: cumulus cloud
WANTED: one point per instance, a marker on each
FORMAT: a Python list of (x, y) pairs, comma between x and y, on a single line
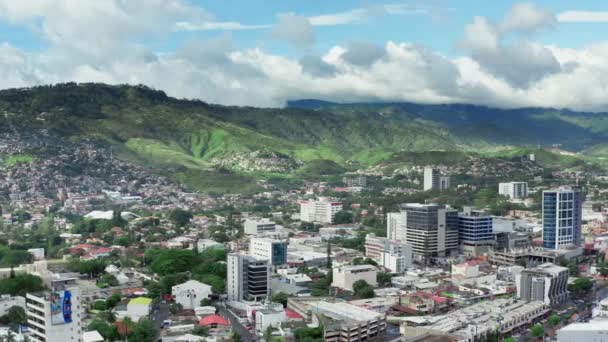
[(528, 18), (503, 66), (583, 17), (294, 29)]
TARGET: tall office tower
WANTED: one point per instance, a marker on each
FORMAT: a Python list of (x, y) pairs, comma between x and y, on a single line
[(248, 278), (562, 213), (269, 249), (513, 190), (431, 230), (444, 183), (546, 283), (324, 210), (431, 178), (475, 231), (396, 228), (54, 315)]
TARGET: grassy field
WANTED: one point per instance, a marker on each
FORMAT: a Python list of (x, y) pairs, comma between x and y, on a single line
[(13, 160)]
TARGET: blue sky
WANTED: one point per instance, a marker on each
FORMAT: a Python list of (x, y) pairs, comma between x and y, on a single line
[(265, 52)]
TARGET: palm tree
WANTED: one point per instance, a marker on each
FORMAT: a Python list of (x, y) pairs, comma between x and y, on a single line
[(9, 337)]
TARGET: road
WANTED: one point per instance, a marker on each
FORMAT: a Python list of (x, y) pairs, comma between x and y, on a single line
[(237, 327), (159, 314)]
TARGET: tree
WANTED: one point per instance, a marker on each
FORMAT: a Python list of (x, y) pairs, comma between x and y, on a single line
[(384, 278), (510, 339), (363, 290), (200, 330), (581, 285), (113, 300), (309, 334), (268, 334), (21, 284), (108, 332), (554, 320), (343, 217), (538, 331), (281, 297), (144, 331), (236, 337), (180, 217), (359, 285), (205, 302), (603, 269)]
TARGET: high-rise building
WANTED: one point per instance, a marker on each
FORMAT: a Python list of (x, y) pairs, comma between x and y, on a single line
[(54, 315), (269, 249), (475, 231), (431, 178), (431, 229), (256, 226), (562, 217), (248, 278), (513, 190), (324, 210), (444, 183), (392, 254), (547, 283), (396, 228)]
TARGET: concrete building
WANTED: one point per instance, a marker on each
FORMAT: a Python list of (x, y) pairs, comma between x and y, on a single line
[(269, 249), (513, 190), (355, 181), (190, 293), (324, 210), (8, 301), (444, 183), (392, 254), (248, 278), (431, 179), (475, 233), (562, 217), (54, 315), (546, 283), (257, 226), (396, 226), (594, 331), (345, 276), (431, 230)]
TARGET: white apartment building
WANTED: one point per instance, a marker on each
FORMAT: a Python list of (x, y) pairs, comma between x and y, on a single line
[(270, 249), (392, 254), (55, 315), (431, 178), (345, 276), (190, 293), (513, 190), (248, 278), (396, 226), (324, 210), (257, 226)]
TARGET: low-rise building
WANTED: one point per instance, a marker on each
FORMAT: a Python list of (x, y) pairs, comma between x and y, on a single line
[(547, 283), (394, 255), (139, 308), (190, 293), (345, 276), (258, 226)]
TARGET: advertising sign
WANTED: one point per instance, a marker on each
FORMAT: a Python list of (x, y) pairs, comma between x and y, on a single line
[(61, 307)]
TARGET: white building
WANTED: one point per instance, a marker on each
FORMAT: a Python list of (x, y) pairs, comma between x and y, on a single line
[(37, 253), (323, 210), (54, 315), (546, 283), (392, 254), (190, 293), (139, 308), (203, 244), (92, 336), (431, 178), (396, 226), (513, 190), (248, 278), (594, 331), (269, 249), (272, 315), (345, 276), (256, 226)]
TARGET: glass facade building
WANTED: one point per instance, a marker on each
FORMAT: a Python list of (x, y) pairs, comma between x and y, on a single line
[(562, 217)]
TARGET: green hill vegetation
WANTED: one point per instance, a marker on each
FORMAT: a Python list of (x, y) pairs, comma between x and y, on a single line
[(211, 147)]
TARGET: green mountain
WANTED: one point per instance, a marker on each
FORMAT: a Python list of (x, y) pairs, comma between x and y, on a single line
[(204, 145)]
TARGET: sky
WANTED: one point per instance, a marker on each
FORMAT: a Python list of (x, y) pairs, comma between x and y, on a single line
[(266, 52)]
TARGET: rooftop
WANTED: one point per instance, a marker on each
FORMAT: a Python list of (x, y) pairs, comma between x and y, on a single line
[(141, 300), (344, 311)]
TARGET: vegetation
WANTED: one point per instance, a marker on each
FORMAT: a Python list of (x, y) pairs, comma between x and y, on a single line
[(581, 285), (21, 284), (309, 334), (363, 290), (537, 331)]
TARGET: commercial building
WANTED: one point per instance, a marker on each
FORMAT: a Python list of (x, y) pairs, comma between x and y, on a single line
[(54, 315), (257, 226), (345, 276), (324, 210), (546, 283), (594, 331), (248, 278), (431, 229), (392, 254), (513, 190), (269, 249), (190, 293), (475, 232), (444, 183), (341, 321), (355, 181), (562, 217)]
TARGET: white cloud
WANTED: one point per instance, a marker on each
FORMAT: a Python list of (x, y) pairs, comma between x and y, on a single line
[(294, 29), (217, 26), (527, 17), (583, 17)]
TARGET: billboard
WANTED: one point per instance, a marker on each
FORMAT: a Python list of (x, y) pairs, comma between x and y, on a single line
[(61, 307)]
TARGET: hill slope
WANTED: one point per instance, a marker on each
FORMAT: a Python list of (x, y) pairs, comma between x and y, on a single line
[(191, 140)]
